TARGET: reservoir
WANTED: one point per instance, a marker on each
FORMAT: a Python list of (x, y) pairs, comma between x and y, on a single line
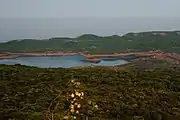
[(59, 61)]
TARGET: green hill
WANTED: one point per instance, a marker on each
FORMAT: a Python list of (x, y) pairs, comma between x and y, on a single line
[(144, 41), (88, 37), (30, 93)]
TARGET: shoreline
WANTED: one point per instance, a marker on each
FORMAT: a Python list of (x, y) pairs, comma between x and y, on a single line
[(95, 58)]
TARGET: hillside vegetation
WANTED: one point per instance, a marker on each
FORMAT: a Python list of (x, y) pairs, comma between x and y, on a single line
[(27, 92), (144, 41)]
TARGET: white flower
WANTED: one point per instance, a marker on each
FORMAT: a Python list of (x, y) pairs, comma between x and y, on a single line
[(82, 93), (77, 93), (78, 83), (79, 105), (66, 117), (77, 112), (72, 110), (72, 95), (72, 106)]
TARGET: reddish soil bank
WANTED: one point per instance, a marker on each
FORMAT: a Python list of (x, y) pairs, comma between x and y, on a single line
[(8, 56), (44, 54), (173, 57), (93, 60), (5, 57)]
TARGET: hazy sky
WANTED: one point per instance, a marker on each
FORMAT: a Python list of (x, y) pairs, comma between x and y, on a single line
[(49, 18), (89, 8)]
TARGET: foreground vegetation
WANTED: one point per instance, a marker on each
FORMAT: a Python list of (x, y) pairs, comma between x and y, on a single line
[(30, 93), (145, 41)]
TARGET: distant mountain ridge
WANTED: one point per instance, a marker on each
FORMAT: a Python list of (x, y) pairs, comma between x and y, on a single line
[(142, 41)]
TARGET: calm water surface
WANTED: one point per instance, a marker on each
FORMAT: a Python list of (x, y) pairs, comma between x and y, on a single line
[(60, 61)]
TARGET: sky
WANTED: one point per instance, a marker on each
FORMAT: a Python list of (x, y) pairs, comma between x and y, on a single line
[(89, 8), (48, 18)]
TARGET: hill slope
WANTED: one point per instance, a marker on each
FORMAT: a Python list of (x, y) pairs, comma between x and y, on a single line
[(27, 92), (162, 40)]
